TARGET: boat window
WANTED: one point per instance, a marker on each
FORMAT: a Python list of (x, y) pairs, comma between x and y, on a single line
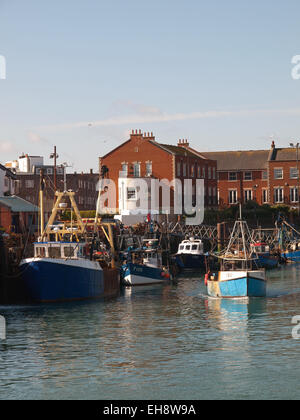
[(69, 251), (54, 251), (40, 251), (181, 247), (188, 247), (194, 247)]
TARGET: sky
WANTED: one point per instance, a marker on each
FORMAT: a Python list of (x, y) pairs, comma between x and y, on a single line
[(82, 74)]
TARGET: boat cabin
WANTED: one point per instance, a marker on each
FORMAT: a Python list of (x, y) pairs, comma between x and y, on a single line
[(261, 248), (60, 250), (191, 246)]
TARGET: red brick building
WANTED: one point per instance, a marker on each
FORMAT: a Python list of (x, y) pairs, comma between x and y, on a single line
[(143, 157), (265, 176), (84, 184)]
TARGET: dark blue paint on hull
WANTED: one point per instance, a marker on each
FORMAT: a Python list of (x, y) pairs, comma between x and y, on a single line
[(51, 282), (190, 261), (266, 261)]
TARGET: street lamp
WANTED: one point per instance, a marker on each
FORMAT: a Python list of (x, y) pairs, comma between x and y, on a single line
[(296, 146)]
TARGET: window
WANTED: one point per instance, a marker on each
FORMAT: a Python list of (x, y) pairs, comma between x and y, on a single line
[(278, 195), (248, 195), (294, 195), (60, 171), (232, 196), (136, 169), (214, 172), (148, 168), (69, 251), (264, 174), (131, 193), (54, 252), (247, 176), (232, 176), (192, 170), (184, 169), (203, 172), (209, 172), (294, 173), (125, 169), (265, 195), (40, 252), (178, 168), (194, 247), (198, 171), (49, 171), (29, 183), (278, 173)]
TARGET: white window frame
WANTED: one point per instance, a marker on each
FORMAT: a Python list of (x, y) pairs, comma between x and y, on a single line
[(129, 196), (248, 179), (232, 191), (281, 199), (248, 194), (296, 172), (278, 169), (265, 195), (236, 178), (294, 197)]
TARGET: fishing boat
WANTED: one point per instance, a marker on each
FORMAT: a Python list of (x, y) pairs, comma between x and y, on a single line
[(190, 254), (288, 240), (144, 266), (265, 258), (66, 265), (239, 275)]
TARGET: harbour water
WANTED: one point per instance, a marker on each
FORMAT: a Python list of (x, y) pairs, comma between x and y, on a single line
[(156, 342)]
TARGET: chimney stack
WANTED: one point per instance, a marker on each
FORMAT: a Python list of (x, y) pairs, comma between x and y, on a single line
[(183, 143)]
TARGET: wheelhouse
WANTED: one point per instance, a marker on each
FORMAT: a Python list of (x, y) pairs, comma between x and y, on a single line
[(60, 250), (191, 246)]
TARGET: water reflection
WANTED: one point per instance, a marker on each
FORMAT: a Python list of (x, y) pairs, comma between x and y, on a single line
[(155, 342)]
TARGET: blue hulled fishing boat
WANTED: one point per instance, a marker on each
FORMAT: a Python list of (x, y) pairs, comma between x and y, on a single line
[(265, 258), (144, 265), (66, 265), (239, 275)]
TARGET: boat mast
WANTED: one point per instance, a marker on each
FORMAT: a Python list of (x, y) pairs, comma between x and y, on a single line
[(42, 220)]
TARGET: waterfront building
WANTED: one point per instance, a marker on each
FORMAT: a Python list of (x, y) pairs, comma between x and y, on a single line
[(143, 157), (7, 181), (27, 170), (265, 176)]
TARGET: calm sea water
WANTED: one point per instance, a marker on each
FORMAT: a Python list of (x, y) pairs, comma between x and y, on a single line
[(156, 342)]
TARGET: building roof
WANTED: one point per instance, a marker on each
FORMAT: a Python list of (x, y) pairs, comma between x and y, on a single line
[(239, 160), (18, 204), (176, 150), (285, 153)]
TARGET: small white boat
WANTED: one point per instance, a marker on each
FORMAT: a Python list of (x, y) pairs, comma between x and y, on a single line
[(190, 254)]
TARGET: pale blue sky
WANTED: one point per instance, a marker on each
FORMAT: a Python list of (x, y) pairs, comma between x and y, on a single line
[(216, 72)]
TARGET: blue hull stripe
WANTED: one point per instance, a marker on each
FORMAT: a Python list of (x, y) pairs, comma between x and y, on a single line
[(242, 287), (48, 282), (293, 255), (142, 271)]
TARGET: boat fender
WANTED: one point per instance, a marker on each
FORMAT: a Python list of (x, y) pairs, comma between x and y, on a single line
[(206, 278)]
